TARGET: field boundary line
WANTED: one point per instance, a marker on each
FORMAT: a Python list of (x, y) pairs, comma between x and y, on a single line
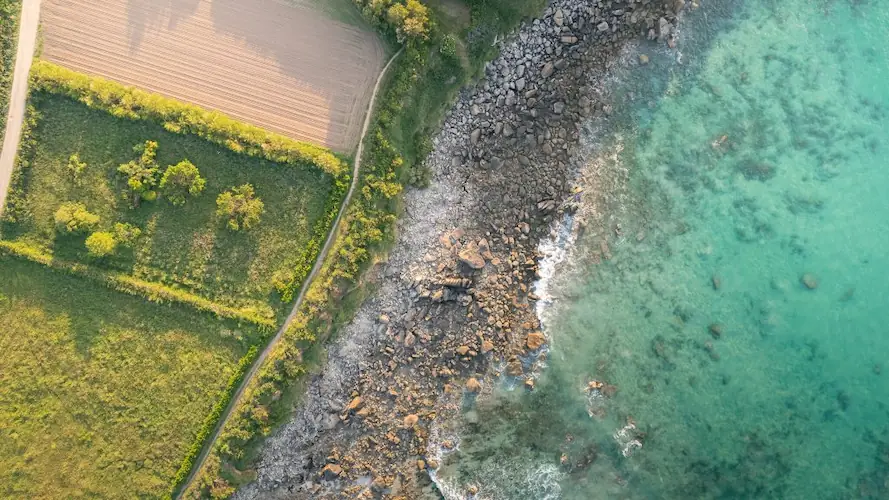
[(150, 291), (319, 261), (18, 94)]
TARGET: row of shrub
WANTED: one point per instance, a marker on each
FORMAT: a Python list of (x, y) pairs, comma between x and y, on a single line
[(210, 421), (131, 103), (153, 292)]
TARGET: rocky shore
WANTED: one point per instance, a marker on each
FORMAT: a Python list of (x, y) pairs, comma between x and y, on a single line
[(455, 307)]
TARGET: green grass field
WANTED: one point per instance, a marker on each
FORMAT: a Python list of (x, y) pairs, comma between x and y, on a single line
[(186, 247), (9, 14), (101, 393)]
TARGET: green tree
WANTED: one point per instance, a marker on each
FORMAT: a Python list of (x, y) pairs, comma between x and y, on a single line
[(410, 19), (180, 181), (142, 173), (76, 167), (126, 234), (101, 244), (240, 206), (73, 217)]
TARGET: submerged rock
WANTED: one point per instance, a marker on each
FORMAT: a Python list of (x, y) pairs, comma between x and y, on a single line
[(473, 385), (809, 281)]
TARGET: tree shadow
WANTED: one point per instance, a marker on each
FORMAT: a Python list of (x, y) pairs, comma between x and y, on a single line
[(143, 14), (332, 64)]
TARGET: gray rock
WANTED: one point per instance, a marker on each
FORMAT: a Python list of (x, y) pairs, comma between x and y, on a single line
[(603, 26), (520, 84), (558, 108), (474, 136), (547, 70), (559, 17)]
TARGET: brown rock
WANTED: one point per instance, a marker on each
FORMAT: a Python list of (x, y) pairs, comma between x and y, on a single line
[(473, 385), (471, 258), (354, 404), (331, 471), (487, 346), (716, 330), (421, 465), (809, 280), (462, 350), (411, 420), (535, 340)]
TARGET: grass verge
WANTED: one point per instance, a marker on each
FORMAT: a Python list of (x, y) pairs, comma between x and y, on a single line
[(9, 15), (101, 394)]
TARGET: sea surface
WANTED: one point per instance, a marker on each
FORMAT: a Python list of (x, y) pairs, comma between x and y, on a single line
[(717, 306)]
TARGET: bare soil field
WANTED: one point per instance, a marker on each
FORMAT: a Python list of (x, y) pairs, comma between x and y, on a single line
[(287, 68)]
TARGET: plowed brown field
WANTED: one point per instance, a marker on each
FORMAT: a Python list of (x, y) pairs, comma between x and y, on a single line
[(284, 68)]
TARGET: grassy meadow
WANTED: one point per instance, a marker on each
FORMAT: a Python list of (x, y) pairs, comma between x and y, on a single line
[(101, 393), (186, 247)]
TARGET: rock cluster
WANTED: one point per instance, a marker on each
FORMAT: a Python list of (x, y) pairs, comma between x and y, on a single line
[(455, 305)]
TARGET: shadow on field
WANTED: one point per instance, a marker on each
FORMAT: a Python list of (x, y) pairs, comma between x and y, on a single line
[(322, 57)]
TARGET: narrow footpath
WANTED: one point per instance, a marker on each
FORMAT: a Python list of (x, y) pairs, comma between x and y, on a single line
[(254, 369), (19, 94)]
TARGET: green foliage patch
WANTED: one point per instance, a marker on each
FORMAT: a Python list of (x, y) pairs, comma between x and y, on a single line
[(102, 394), (183, 246)]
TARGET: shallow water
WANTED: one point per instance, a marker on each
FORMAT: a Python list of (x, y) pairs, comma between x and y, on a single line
[(731, 292)]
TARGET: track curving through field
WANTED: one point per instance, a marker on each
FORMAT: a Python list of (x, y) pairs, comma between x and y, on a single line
[(18, 95), (254, 369)]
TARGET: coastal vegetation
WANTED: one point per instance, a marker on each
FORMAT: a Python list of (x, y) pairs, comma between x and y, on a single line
[(421, 84), (103, 393)]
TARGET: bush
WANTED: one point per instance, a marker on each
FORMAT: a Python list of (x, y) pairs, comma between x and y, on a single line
[(241, 206), (76, 167), (142, 173), (101, 244), (73, 217), (448, 46), (181, 180), (126, 234)]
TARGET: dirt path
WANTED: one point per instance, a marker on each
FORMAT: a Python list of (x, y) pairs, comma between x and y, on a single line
[(19, 94), (318, 262)]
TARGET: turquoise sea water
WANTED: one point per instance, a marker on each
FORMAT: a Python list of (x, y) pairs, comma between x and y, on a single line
[(738, 312)]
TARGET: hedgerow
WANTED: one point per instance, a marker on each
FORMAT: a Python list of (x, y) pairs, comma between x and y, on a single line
[(131, 103), (153, 292)]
